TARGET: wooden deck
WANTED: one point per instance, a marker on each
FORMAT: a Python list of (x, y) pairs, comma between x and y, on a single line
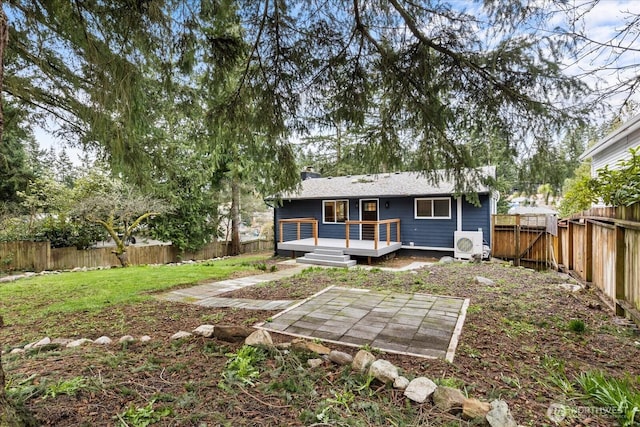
[(356, 247)]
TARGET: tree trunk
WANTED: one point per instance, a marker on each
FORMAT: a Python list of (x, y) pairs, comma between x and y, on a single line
[(8, 416), (124, 259), (235, 217), (4, 39), (121, 251)]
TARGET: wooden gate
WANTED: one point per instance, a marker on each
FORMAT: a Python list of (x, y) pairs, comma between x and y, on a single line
[(525, 239)]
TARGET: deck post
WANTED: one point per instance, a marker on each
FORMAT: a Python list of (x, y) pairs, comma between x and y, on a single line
[(376, 236), (346, 234), (388, 233), (398, 230), (298, 230), (315, 232), (281, 232)]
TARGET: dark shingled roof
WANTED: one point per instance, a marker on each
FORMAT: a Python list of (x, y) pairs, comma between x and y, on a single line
[(383, 185)]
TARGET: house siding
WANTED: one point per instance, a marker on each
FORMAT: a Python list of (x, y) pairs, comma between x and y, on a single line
[(475, 218), (611, 155), (310, 209), (423, 232), (432, 233)]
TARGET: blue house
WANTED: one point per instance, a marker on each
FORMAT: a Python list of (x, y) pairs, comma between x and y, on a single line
[(373, 215)]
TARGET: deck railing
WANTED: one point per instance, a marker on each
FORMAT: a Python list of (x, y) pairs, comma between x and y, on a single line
[(376, 230), (299, 222), (314, 229)]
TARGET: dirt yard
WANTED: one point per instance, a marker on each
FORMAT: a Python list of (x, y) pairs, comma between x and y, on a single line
[(525, 340)]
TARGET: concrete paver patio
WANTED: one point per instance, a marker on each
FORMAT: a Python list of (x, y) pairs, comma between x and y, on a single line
[(415, 324)]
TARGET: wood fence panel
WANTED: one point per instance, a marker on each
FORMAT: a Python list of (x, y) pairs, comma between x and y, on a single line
[(579, 257), (613, 259), (29, 256), (209, 251), (69, 258), (144, 255), (631, 213), (38, 256), (503, 242), (632, 268), (604, 260), (533, 244), (258, 245), (523, 239)]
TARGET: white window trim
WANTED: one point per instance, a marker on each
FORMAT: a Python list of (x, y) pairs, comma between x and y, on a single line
[(415, 207), (335, 210)]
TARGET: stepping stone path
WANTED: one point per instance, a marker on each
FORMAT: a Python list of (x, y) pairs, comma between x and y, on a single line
[(207, 294)]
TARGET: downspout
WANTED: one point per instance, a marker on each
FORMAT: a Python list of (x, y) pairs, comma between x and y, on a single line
[(459, 214)]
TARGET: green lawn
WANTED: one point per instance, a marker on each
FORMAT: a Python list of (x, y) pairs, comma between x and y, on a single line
[(27, 300)]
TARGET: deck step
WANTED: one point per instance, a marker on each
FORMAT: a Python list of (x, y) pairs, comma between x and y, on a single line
[(327, 263), (327, 257), (328, 251)]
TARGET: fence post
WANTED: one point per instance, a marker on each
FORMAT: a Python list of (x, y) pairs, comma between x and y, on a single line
[(570, 245), (620, 270), (588, 251), (516, 258), (493, 233), (557, 248)]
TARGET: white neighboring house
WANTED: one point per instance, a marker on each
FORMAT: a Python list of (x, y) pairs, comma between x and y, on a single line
[(614, 147)]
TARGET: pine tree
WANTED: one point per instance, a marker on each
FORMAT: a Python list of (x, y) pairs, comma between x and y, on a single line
[(16, 167)]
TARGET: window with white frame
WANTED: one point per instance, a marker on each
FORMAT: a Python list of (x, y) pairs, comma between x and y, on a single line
[(433, 208), (334, 211)]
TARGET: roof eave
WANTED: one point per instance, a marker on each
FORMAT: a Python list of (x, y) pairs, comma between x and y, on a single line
[(612, 138)]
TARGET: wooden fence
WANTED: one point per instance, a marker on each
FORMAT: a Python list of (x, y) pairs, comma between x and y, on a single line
[(39, 256), (602, 246), (527, 240)]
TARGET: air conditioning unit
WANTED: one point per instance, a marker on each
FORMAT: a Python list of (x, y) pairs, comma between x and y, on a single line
[(467, 243)]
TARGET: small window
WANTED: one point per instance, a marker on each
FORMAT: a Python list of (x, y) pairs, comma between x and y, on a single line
[(433, 208), (335, 211)]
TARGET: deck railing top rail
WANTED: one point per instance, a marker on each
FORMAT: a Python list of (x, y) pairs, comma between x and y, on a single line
[(294, 220), (383, 221)]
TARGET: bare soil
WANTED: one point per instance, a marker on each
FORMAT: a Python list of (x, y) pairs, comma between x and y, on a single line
[(514, 331)]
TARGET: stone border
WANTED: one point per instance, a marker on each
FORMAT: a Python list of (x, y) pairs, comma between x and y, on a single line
[(455, 335)]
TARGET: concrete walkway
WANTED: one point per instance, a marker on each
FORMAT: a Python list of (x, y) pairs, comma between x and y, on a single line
[(207, 293)]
